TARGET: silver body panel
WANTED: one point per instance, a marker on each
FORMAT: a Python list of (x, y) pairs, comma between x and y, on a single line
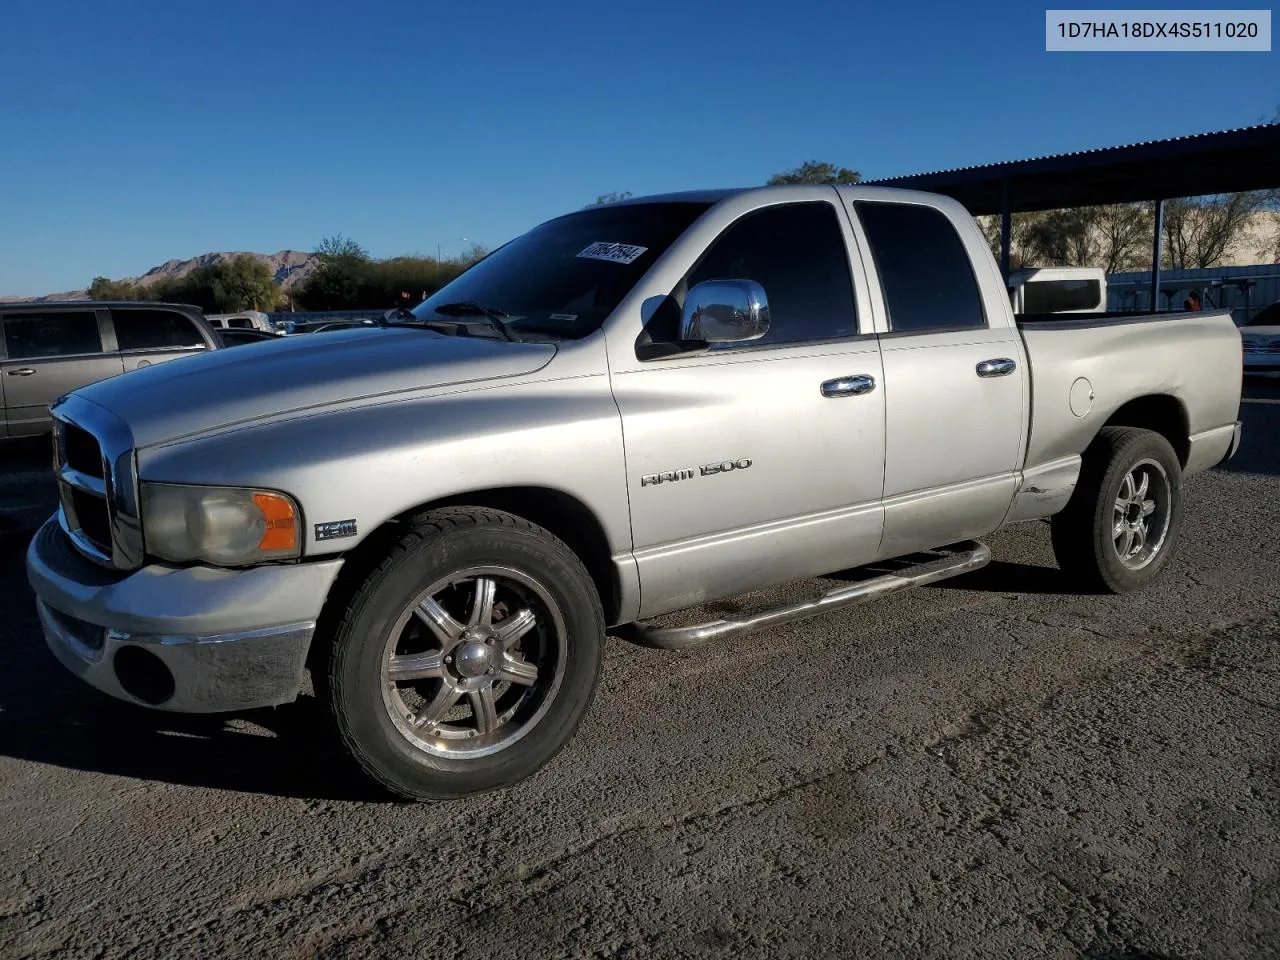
[(1193, 357), (371, 424)]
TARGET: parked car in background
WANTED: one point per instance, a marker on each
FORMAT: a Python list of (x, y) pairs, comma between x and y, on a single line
[(338, 325), (236, 338), (1058, 290), (48, 349), (1261, 336), (294, 327), (245, 320)]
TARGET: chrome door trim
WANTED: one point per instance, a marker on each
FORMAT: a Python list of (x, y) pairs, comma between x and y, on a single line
[(999, 367), (853, 386)]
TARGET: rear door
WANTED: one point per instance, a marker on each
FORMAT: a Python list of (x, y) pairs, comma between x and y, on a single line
[(147, 335), (49, 353), (955, 378)]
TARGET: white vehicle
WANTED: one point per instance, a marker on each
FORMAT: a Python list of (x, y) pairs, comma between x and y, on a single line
[(244, 320), (1261, 336), (1058, 290)]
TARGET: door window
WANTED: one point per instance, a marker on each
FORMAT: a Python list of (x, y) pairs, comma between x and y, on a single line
[(797, 253), (925, 273), (31, 336), (154, 329)]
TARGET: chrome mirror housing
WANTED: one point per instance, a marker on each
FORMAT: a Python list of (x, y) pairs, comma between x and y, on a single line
[(725, 311)]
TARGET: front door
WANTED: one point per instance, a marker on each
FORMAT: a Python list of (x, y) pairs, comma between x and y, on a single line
[(49, 353), (742, 471)]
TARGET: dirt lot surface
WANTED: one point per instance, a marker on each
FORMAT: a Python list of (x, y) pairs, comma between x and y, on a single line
[(992, 767)]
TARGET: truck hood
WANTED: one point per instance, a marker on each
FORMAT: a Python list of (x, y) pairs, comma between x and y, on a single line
[(260, 381)]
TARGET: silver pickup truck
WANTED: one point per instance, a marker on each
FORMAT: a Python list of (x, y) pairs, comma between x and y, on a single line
[(628, 411)]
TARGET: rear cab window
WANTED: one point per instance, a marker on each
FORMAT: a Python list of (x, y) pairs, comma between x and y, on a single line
[(1061, 296), (36, 335), (141, 329), (926, 276)]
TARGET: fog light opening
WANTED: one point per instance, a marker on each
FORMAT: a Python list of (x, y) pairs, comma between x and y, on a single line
[(143, 675)]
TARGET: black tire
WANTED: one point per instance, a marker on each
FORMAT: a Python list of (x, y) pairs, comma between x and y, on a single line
[(440, 544), (1082, 533)]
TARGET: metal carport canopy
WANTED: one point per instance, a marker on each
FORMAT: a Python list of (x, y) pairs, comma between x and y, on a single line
[(1228, 161)]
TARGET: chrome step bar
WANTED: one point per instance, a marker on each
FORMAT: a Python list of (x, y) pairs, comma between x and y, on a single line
[(959, 558)]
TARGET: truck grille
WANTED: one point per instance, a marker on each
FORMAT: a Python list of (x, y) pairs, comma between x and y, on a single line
[(93, 463), (83, 452)]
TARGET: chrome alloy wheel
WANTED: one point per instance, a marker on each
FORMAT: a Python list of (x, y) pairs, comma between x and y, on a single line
[(1140, 520), (474, 662)]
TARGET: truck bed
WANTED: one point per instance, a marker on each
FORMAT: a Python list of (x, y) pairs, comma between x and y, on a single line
[(1194, 357)]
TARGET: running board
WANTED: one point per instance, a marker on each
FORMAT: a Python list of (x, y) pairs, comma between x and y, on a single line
[(959, 558)]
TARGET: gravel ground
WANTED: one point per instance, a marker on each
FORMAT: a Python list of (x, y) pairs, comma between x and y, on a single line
[(991, 767)]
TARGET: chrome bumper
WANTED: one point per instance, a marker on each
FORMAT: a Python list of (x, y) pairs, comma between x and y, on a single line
[(190, 640)]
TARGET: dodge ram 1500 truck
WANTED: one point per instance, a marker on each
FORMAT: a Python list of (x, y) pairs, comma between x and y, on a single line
[(628, 411)]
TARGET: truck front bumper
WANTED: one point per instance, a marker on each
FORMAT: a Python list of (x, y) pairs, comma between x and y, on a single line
[(189, 639)]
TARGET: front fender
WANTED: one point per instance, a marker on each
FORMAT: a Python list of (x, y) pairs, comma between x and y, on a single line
[(372, 463)]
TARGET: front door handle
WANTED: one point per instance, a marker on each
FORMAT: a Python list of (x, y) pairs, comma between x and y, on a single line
[(996, 368), (849, 386), (22, 372)]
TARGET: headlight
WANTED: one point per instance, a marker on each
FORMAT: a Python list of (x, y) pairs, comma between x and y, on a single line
[(226, 526)]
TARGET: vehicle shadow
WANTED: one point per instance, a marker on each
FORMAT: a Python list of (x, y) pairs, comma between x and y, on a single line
[(1259, 451), (48, 716), (998, 576), (1002, 576)]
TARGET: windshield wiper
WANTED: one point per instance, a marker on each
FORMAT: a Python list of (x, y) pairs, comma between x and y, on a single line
[(469, 308)]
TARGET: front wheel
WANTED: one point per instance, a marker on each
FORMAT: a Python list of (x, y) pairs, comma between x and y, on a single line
[(467, 659), (1121, 526)]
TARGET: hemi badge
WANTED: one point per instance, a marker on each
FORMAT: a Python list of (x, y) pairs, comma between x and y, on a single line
[(335, 529)]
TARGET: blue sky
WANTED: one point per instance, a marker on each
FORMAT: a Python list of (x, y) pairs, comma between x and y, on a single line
[(136, 132)]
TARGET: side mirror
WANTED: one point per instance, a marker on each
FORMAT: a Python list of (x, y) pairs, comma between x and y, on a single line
[(725, 311)]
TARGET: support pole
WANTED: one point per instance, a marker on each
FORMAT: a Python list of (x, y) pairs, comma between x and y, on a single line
[(1157, 237), (1006, 230)]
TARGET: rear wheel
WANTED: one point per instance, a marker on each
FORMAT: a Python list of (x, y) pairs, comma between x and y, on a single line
[(1121, 526), (466, 660)]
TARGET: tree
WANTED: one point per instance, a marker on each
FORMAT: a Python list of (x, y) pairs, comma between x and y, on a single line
[(336, 247), (811, 171), (1113, 236), (1021, 228), (347, 278), (1204, 231), (1124, 236), (229, 286), (103, 289), (340, 277), (608, 198)]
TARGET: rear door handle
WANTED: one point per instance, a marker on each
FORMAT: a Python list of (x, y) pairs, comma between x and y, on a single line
[(996, 368), (21, 372), (849, 386)]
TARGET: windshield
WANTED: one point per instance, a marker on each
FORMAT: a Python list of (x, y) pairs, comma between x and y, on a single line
[(564, 277)]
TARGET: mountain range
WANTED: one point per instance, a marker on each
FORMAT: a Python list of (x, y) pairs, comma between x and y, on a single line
[(288, 266)]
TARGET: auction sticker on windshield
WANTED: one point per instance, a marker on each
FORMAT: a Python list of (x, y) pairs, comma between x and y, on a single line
[(613, 252)]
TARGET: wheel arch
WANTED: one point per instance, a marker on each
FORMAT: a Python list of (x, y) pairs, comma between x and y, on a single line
[(560, 513), (1161, 413)]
